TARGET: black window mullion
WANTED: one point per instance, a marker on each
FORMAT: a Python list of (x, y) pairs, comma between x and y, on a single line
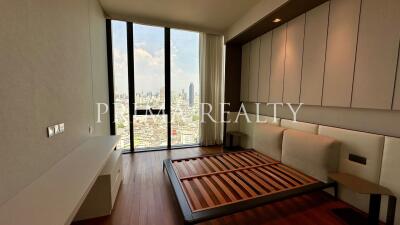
[(110, 69), (167, 46), (131, 80)]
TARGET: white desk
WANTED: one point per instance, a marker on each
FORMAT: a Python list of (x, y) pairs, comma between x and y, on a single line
[(55, 197)]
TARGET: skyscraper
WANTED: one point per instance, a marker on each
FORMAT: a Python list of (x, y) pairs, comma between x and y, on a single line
[(191, 94)]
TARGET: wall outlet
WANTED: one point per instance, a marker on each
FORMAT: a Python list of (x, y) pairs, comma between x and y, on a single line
[(90, 130), (56, 129), (50, 131), (61, 127)]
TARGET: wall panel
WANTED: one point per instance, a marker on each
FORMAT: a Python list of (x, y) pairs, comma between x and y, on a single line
[(244, 81), (377, 49), (341, 52), (316, 29), (294, 59), (254, 69), (277, 64), (265, 67)]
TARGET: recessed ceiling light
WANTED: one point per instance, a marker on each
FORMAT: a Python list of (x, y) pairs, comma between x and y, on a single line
[(277, 20)]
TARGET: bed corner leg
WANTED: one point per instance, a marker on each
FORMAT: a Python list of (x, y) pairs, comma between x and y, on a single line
[(390, 217), (335, 190)]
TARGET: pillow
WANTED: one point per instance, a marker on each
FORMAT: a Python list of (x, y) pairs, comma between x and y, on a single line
[(314, 155), (268, 140)]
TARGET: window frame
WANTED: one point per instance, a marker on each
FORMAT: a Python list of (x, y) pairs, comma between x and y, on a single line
[(131, 89)]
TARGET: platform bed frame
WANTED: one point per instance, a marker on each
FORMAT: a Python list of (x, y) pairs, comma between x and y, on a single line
[(212, 186)]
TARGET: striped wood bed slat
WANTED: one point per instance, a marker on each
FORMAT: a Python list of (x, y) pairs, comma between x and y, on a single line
[(218, 180)]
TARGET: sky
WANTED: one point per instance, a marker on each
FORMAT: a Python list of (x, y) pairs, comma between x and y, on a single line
[(149, 58)]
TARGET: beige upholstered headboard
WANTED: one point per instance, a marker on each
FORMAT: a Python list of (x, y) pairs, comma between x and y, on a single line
[(301, 126), (271, 136), (358, 145), (312, 154), (248, 128), (369, 156), (390, 173)]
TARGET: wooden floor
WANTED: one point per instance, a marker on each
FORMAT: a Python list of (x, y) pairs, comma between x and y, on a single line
[(146, 198)]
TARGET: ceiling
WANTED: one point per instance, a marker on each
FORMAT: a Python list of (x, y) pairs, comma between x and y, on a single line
[(214, 16)]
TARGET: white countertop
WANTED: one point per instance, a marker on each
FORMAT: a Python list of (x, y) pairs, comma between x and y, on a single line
[(55, 197)]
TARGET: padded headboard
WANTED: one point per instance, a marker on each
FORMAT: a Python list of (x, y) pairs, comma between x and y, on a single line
[(314, 155), (301, 126), (389, 173), (271, 120), (232, 126), (268, 140), (355, 148), (366, 155), (248, 128)]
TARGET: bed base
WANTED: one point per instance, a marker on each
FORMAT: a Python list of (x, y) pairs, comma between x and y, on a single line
[(192, 216)]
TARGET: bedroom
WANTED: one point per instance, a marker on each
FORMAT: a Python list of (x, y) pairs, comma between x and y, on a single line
[(115, 112)]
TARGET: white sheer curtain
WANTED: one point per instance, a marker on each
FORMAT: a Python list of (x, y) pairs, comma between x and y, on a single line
[(211, 87)]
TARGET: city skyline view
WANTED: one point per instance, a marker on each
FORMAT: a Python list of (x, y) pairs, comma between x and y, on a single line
[(150, 131)]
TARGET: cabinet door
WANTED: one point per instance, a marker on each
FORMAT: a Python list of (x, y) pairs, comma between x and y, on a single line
[(244, 81), (277, 64), (341, 52), (316, 32), (376, 61), (265, 67), (254, 68), (293, 59)]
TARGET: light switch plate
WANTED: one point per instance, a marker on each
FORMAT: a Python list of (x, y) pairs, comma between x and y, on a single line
[(61, 127), (50, 131)]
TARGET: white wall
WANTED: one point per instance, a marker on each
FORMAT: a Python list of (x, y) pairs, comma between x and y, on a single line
[(53, 69), (99, 66)]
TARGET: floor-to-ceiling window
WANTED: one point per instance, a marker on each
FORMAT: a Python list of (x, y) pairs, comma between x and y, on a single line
[(150, 127), (156, 86), (184, 87), (120, 77)]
